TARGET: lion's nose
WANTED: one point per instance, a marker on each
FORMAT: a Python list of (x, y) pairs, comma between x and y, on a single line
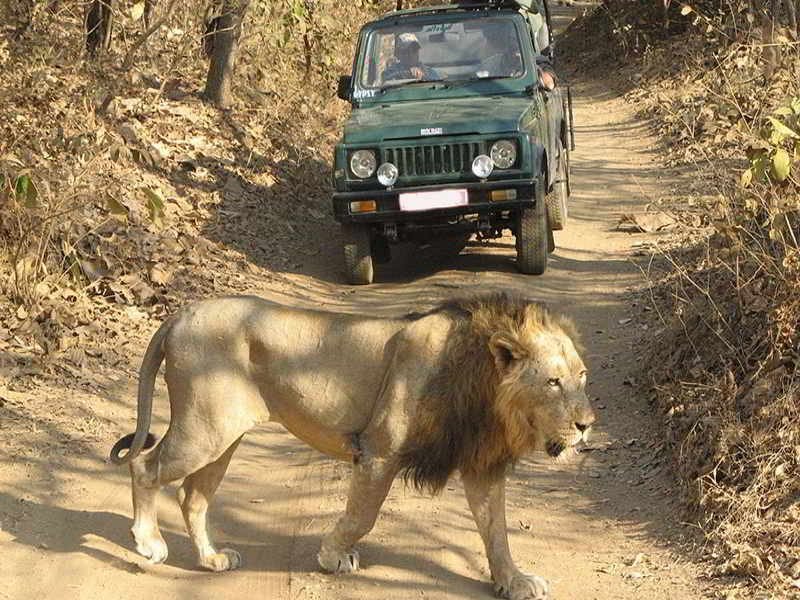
[(585, 420)]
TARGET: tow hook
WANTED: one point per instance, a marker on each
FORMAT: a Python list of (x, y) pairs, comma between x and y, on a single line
[(487, 231), (390, 232)]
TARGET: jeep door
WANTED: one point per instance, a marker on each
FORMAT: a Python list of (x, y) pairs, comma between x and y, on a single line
[(553, 116)]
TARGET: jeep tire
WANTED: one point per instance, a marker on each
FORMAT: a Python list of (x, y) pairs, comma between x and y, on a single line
[(557, 198), (532, 236), (357, 254)]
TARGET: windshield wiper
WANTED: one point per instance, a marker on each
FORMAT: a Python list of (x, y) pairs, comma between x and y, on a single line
[(448, 82), (476, 78), (411, 82)]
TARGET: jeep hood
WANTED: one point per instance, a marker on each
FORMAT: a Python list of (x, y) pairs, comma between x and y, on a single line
[(453, 116)]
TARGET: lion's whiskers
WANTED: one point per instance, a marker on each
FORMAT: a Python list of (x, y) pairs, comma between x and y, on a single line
[(569, 453)]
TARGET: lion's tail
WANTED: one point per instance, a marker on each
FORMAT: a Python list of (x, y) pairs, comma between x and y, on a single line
[(142, 438)]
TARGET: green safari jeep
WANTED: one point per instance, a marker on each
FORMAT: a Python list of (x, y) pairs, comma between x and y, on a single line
[(456, 129)]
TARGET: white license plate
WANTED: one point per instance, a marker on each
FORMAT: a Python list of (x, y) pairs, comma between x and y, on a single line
[(414, 201)]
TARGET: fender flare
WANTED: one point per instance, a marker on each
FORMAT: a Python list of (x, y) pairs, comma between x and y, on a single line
[(539, 163)]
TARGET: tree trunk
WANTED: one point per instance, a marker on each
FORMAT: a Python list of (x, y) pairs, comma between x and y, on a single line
[(149, 7), (210, 25), (98, 25), (224, 44)]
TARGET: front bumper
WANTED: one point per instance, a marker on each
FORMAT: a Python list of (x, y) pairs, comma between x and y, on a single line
[(388, 204)]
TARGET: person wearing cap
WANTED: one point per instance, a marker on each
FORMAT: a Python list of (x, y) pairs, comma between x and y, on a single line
[(407, 64)]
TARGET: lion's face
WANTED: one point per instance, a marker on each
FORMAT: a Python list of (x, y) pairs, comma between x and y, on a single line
[(543, 385)]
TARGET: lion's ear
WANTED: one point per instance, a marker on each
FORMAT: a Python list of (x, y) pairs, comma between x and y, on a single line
[(506, 349)]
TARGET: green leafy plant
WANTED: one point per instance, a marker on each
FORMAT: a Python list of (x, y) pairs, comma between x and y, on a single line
[(155, 207), (777, 148), (24, 190)]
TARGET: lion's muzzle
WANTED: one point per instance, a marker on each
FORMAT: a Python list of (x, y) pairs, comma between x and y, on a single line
[(555, 448)]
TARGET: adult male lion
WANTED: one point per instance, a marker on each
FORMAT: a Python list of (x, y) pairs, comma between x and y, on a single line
[(469, 386)]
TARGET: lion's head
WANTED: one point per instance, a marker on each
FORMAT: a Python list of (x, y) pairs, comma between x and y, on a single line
[(511, 380)]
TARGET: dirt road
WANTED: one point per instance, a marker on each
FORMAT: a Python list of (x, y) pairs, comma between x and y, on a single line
[(601, 527)]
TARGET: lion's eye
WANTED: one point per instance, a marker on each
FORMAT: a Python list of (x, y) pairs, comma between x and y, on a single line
[(554, 382)]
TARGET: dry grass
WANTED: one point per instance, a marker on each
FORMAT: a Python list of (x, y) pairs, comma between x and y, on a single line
[(728, 295), (146, 197), (728, 387), (131, 169)]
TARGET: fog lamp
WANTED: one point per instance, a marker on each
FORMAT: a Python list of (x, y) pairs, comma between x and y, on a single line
[(482, 166), (387, 174)]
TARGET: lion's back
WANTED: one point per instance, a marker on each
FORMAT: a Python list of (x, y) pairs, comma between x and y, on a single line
[(319, 371)]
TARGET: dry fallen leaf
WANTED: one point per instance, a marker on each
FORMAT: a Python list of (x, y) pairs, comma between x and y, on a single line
[(637, 575), (608, 569), (160, 274), (636, 560), (645, 222)]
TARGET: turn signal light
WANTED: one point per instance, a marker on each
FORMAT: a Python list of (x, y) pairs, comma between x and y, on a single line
[(501, 195), (362, 206)]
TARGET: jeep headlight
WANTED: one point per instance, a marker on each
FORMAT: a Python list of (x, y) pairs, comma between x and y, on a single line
[(363, 163), (504, 154)]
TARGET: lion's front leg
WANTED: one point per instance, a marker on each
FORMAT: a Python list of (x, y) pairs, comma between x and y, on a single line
[(487, 500), (370, 482)]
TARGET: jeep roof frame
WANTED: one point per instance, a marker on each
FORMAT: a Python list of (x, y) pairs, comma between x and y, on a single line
[(453, 7), (475, 6), (469, 6)]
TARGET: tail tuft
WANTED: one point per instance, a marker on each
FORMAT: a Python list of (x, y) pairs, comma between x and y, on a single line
[(124, 443)]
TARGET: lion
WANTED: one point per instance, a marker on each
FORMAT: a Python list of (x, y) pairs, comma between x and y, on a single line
[(469, 386)]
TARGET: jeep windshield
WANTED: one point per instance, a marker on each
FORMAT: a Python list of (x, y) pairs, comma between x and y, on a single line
[(450, 51)]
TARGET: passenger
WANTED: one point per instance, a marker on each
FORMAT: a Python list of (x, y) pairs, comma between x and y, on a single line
[(501, 59), (407, 64), (504, 61)]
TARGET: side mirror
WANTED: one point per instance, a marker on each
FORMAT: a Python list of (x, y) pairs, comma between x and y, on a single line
[(344, 87)]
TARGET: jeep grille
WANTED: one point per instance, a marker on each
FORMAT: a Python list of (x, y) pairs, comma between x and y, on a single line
[(434, 159)]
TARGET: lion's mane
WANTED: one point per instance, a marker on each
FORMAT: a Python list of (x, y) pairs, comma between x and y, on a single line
[(467, 420)]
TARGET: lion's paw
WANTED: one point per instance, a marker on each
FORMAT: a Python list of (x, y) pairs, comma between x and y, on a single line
[(524, 587), (338, 562), (224, 560), (152, 548)]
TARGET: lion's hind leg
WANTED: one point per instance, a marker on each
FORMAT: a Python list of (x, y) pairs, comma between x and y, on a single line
[(176, 457), (194, 497), (145, 487), (369, 484)]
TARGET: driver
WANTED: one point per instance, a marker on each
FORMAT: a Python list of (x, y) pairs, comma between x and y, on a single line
[(406, 64)]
